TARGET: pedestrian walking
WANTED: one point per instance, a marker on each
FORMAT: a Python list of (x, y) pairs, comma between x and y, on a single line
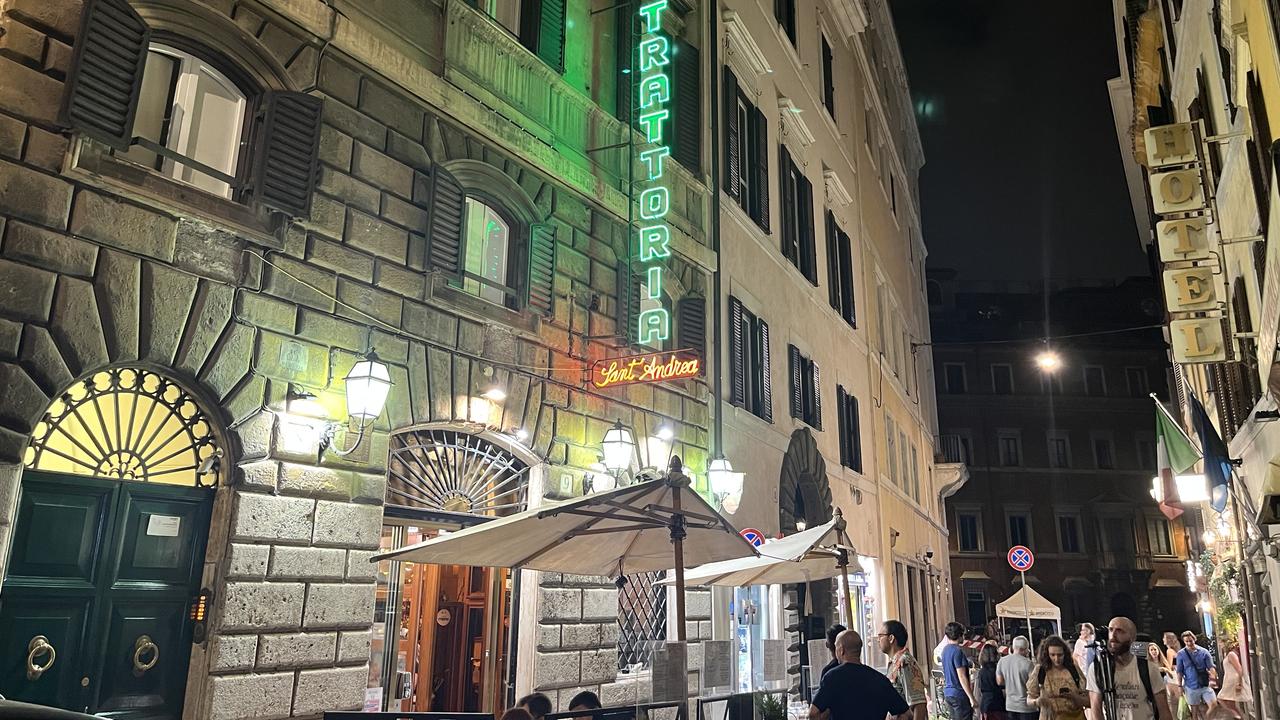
[(904, 671), (1082, 653), (1195, 669), (957, 690), (1173, 685), (1132, 685), (1235, 681), (1011, 673), (990, 693), (853, 691), (1056, 686)]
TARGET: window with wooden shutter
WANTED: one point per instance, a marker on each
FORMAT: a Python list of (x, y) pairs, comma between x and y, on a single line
[(444, 224), (813, 414), (106, 74), (691, 324), (542, 30), (760, 208), (828, 79), (850, 430), (286, 159), (834, 285), (785, 13), (732, 138), (797, 234), (686, 113), (765, 404), (737, 354), (804, 217), (848, 304), (542, 263), (629, 299), (806, 389), (795, 364)]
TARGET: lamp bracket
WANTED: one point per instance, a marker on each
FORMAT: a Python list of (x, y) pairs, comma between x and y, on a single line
[(327, 440)]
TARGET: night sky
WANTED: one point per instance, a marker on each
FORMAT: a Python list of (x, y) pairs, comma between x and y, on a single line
[(1022, 175)]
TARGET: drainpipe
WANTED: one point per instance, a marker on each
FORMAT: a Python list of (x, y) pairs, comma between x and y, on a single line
[(717, 365)]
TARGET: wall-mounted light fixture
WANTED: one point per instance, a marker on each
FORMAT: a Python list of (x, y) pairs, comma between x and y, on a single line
[(367, 386), (726, 485), (619, 448)]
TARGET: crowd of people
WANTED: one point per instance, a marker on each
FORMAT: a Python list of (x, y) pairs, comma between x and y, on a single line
[(1107, 678)]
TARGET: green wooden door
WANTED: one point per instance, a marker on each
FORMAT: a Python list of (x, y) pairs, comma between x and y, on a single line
[(105, 571)]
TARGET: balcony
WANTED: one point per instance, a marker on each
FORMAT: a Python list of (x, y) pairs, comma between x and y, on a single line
[(488, 63), (952, 449)]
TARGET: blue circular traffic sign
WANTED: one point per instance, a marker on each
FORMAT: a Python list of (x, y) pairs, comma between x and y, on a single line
[(1021, 558)]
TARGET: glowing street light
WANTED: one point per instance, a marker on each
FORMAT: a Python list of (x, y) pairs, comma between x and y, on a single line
[(1048, 361)]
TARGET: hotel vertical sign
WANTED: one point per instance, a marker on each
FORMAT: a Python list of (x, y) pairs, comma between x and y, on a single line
[(1194, 290), (653, 325)]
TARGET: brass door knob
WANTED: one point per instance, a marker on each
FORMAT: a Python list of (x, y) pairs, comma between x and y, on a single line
[(142, 647), (39, 646)]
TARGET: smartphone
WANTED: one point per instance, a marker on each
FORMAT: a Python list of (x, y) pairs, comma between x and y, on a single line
[(1064, 691)]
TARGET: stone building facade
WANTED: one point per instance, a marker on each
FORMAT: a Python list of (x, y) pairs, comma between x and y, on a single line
[(251, 309)]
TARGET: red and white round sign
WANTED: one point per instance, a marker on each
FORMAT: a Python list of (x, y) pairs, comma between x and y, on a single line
[(1021, 558)]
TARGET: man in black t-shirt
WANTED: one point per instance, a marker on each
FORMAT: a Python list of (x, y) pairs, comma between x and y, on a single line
[(854, 691), (832, 632)]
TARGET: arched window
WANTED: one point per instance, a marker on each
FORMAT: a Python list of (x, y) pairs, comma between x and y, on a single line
[(127, 424), (487, 254), (195, 113)]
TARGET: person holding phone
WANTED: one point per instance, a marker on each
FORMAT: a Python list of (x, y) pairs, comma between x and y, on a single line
[(1056, 686)]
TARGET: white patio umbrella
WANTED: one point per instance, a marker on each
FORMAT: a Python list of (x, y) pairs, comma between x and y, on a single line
[(818, 553), (654, 525)]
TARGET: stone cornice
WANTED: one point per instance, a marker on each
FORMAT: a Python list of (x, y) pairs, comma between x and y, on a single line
[(740, 46), (836, 191), (849, 16), (792, 123)]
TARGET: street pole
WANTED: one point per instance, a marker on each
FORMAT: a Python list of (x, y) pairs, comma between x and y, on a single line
[(842, 560), (1026, 607)]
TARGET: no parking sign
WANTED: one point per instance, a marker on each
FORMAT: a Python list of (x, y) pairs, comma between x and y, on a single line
[(753, 536), (1021, 558)]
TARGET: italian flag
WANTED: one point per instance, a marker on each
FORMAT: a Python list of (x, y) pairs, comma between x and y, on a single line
[(1174, 455)]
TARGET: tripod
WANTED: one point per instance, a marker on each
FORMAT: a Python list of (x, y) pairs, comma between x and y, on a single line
[(1104, 667)]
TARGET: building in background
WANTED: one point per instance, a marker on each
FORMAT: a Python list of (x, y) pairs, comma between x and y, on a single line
[(822, 259), (213, 211), (1061, 456), (1198, 96)]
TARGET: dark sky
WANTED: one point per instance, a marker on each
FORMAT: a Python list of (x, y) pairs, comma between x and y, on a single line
[(1022, 175)]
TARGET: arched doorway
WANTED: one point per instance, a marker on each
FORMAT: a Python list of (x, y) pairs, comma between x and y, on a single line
[(444, 636), (804, 501), (108, 548)]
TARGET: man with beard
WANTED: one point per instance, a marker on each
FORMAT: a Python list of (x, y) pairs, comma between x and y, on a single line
[(904, 671), (1139, 687)]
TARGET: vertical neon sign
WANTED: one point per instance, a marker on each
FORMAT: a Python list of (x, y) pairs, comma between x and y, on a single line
[(654, 324)]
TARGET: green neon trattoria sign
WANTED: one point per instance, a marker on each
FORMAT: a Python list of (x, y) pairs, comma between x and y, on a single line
[(654, 323)]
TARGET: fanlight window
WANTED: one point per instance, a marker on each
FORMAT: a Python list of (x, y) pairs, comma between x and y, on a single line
[(452, 471), (126, 424)]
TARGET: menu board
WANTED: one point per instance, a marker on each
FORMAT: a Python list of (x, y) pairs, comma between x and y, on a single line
[(775, 660), (670, 672), (717, 663)]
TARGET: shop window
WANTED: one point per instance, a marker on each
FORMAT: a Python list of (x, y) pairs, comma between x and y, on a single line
[(749, 358)]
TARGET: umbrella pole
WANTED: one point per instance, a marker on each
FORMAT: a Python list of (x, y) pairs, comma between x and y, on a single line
[(677, 542), (843, 564)]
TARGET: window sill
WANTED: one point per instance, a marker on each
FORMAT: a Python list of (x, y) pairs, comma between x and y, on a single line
[(93, 162), (472, 306)]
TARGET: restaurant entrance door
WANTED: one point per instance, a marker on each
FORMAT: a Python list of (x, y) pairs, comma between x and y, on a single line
[(444, 637)]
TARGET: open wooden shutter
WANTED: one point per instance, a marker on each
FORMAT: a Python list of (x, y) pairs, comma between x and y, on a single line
[(804, 216), (737, 355), (540, 294), (628, 309), (842, 426), (796, 367), (853, 431), (766, 372), (732, 163), (106, 74), (817, 396), (762, 171), (848, 300), (286, 155), (833, 262), (687, 111), (624, 45), (542, 30), (691, 324), (444, 223)]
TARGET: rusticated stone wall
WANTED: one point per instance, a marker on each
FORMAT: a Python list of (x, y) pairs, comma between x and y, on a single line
[(99, 268)]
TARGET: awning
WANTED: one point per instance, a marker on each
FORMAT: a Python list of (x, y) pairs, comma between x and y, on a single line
[(1027, 602)]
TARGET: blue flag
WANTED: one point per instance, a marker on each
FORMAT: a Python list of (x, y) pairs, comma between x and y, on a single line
[(1217, 465)]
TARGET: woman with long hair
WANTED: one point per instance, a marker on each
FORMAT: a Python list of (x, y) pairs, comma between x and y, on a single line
[(1235, 682), (1056, 685), (990, 694), (1082, 653)]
